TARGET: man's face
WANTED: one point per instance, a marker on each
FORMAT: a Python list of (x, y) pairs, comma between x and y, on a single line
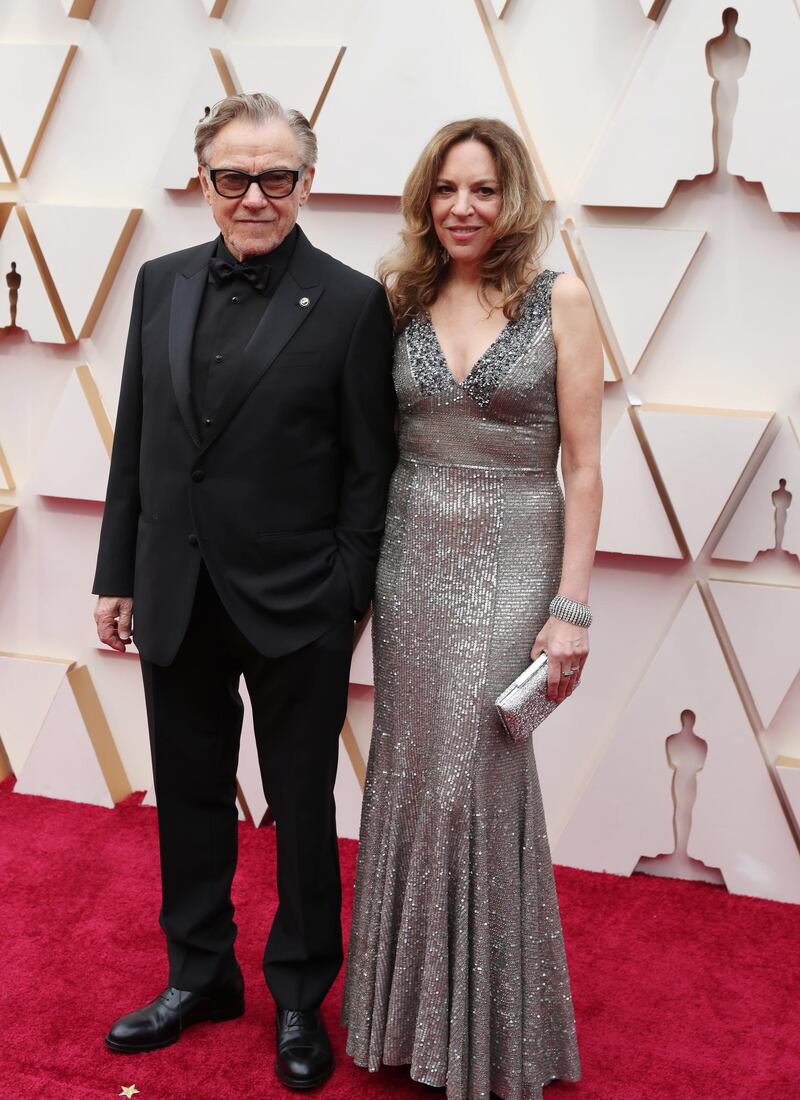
[(254, 224)]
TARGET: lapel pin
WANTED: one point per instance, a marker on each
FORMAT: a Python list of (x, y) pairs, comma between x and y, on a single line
[(304, 302)]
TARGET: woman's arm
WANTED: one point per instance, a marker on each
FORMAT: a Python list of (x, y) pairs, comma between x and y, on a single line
[(579, 389)]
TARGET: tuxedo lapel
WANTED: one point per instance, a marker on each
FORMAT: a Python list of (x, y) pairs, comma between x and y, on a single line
[(289, 308), (187, 294)]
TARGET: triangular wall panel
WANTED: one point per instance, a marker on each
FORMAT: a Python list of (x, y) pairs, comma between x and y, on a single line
[(661, 130), (626, 810), (637, 272), (361, 666), (700, 455), (211, 83), (632, 520), (83, 247), (299, 76), (31, 75), (28, 686), (752, 527), (296, 75), (762, 623), (73, 460), (249, 771), (769, 104), (395, 80), (74, 756)]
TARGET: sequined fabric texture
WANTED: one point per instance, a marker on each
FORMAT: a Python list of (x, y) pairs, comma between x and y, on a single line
[(456, 962)]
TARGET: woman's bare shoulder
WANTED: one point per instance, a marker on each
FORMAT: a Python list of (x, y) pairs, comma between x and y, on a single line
[(570, 292)]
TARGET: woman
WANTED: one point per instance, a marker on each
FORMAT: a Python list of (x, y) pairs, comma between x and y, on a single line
[(456, 963)]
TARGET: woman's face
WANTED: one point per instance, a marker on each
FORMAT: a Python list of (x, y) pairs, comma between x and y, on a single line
[(466, 202)]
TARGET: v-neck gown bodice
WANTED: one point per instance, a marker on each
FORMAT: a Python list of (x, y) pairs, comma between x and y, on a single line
[(456, 962)]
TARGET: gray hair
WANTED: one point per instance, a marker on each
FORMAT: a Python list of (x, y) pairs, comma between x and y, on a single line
[(257, 107)]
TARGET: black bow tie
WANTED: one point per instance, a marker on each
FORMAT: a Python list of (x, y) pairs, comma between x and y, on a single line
[(221, 271)]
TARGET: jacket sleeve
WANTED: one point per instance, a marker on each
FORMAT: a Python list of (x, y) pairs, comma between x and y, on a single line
[(367, 417), (117, 553)]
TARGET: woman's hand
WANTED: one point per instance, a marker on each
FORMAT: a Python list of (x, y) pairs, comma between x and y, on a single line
[(567, 648)]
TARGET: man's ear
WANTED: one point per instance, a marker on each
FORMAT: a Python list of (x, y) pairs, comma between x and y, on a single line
[(205, 183), (305, 184)]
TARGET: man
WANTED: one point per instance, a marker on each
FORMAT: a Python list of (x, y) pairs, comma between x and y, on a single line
[(253, 449)]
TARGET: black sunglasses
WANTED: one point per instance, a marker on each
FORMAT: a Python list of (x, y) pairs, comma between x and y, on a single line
[(277, 183)]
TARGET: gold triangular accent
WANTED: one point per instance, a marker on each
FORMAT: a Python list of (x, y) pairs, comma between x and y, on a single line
[(110, 274), (538, 163), (223, 70), (354, 752), (81, 9), (7, 512), (5, 766), (8, 477), (99, 733), (327, 87), (95, 403), (49, 109)]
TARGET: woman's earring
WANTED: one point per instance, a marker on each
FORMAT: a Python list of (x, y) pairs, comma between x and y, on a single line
[(445, 255)]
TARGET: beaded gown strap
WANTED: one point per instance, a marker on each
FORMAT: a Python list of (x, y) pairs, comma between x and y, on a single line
[(429, 365)]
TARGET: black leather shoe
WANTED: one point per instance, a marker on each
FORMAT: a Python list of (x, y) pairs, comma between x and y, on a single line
[(305, 1058), (164, 1020)]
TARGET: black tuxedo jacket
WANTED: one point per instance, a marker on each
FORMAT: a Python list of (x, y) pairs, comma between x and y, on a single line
[(282, 490)]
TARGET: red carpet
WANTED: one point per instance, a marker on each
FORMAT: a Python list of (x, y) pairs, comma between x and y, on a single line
[(681, 991)]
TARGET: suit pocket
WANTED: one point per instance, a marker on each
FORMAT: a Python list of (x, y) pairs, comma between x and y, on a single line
[(308, 538), (292, 554), (301, 566)]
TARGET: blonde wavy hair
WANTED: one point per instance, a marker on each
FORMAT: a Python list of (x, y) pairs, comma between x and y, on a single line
[(414, 272)]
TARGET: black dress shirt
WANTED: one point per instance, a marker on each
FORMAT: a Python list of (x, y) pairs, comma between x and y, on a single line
[(229, 314)]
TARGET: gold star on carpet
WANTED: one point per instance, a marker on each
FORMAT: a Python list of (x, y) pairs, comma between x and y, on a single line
[(128, 1090)]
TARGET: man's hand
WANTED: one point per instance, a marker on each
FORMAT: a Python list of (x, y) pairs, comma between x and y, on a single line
[(113, 616)]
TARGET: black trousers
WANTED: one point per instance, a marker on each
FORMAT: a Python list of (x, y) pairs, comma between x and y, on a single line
[(195, 717)]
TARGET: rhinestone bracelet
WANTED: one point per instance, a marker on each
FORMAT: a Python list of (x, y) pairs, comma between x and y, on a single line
[(570, 611)]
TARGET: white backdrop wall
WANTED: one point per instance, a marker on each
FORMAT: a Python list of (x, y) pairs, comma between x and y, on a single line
[(695, 282)]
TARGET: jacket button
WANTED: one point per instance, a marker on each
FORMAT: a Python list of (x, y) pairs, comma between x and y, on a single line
[(197, 475), (193, 540), (208, 421)]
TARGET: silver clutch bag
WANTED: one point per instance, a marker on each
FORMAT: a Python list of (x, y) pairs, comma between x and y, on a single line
[(524, 704)]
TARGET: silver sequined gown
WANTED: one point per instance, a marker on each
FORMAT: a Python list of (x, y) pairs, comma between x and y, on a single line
[(456, 961)]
